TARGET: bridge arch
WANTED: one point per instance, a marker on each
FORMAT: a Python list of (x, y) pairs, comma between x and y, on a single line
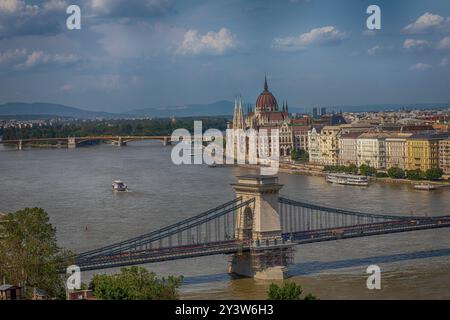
[(247, 223)]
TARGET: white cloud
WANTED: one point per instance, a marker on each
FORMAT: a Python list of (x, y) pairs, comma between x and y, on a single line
[(10, 5), (317, 36), (444, 62), (18, 18), (414, 45), (12, 56), (40, 58), (426, 23), (216, 43), (372, 51), (420, 67), (444, 44)]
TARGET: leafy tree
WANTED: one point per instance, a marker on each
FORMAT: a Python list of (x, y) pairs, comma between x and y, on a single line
[(381, 174), (139, 127), (289, 291), (367, 170), (29, 254), (300, 155), (414, 174), (396, 173), (135, 283), (353, 169), (433, 174)]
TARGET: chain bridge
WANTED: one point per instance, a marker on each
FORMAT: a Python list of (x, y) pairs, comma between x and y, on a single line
[(258, 229)]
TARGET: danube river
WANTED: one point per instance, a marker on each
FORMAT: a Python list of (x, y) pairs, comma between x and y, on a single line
[(74, 187)]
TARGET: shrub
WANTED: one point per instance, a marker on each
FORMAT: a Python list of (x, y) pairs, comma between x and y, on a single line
[(396, 173)]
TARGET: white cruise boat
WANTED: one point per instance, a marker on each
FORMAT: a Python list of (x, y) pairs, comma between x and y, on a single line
[(119, 186), (424, 186), (348, 179)]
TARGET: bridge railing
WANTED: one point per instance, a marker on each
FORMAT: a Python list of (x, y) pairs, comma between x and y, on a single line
[(214, 225), (297, 216)]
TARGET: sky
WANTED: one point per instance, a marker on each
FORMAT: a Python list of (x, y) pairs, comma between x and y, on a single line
[(154, 53)]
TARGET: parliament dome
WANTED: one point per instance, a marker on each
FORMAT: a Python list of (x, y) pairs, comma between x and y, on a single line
[(266, 100)]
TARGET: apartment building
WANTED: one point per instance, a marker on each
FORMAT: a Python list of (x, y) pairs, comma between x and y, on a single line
[(371, 149), (444, 155), (329, 145), (422, 150), (348, 146), (314, 146), (396, 150)]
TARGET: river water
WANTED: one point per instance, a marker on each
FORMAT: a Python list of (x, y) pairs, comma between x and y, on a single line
[(73, 186)]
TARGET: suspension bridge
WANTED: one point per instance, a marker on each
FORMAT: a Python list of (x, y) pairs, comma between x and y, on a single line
[(259, 229)]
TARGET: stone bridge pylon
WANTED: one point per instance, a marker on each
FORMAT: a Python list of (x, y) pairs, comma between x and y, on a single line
[(259, 225)]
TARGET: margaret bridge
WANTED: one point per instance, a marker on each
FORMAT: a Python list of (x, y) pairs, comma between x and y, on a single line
[(73, 142), (259, 229)]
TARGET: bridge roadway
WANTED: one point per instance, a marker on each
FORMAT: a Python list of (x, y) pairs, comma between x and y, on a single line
[(234, 246), (87, 138)]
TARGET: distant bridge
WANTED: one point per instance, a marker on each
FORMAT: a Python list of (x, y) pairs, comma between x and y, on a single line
[(232, 228), (73, 142)]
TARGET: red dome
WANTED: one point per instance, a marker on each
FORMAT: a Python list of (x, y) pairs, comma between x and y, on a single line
[(266, 101)]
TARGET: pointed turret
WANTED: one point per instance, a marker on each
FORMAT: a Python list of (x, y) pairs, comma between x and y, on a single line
[(266, 87)]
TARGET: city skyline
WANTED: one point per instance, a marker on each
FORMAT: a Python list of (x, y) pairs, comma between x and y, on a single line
[(164, 53)]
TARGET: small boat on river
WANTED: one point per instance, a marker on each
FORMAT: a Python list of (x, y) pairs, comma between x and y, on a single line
[(119, 186)]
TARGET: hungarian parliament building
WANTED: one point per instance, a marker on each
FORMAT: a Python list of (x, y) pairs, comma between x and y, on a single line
[(266, 114)]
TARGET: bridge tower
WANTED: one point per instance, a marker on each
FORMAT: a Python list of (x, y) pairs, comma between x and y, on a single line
[(71, 143), (20, 145), (259, 225)]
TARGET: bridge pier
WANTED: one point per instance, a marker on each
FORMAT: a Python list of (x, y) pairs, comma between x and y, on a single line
[(120, 142), (71, 143), (20, 145), (259, 225)]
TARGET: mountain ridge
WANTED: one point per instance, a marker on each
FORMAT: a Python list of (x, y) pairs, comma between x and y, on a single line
[(217, 108)]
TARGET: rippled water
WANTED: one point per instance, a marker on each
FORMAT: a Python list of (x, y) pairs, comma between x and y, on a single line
[(73, 186)]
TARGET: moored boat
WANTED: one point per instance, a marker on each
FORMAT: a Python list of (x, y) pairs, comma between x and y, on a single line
[(424, 186), (348, 179)]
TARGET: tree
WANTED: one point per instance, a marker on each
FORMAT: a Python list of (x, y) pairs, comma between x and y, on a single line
[(434, 173), (29, 254), (396, 173), (381, 174), (135, 283), (289, 291), (353, 169), (414, 174), (300, 155), (367, 170)]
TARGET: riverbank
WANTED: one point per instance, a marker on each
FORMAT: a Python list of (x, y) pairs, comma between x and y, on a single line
[(313, 170)]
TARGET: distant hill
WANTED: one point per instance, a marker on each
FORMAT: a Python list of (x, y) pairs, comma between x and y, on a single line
[(218, 108), (22, 110), (50, 109)]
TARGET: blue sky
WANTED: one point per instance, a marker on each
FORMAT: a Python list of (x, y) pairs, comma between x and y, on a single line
[(153, 53)]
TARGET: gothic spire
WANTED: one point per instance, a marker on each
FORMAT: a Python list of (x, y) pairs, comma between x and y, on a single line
[(266, 87)]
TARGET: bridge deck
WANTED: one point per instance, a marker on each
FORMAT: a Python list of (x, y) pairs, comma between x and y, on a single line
[(233, 246), (87, 138)]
